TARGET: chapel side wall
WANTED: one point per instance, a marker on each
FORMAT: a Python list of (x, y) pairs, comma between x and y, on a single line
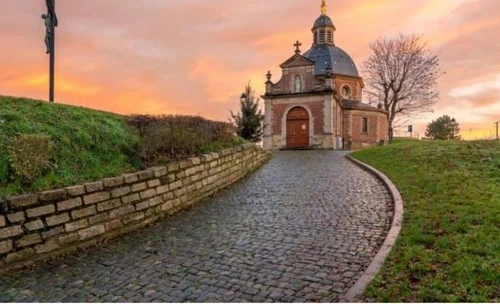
[(47, 224), (353, 121)]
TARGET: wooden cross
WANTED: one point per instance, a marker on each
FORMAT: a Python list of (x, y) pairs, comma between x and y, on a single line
[(297, 45)]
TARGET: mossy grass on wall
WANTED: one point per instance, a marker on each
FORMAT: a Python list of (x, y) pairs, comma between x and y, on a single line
[(88, 144), (448, 249)]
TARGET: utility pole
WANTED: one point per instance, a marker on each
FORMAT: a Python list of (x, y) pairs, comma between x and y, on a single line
[(496, 123)]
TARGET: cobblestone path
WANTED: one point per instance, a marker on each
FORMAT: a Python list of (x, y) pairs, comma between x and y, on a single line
[(302, 228)]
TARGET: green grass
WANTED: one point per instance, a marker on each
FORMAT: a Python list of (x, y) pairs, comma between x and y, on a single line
[(88, 144), (448, 248)]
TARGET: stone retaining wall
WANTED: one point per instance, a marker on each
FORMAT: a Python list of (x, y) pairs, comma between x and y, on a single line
[(39, 226)]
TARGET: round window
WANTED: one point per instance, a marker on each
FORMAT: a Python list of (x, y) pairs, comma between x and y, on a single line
[(346, 91)]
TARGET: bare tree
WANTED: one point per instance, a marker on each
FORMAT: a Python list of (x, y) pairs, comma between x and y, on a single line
[(401, 74)]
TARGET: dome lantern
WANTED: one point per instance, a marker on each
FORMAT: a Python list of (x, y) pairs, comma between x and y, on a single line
[(323, 28)]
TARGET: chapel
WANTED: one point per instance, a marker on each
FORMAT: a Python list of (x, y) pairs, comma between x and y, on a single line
[(317, 103)]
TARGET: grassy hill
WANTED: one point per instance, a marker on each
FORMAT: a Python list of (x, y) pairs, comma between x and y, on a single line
[(88, 144), (449, 245)]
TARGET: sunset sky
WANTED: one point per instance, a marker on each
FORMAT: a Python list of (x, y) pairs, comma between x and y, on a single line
[(195, 56)]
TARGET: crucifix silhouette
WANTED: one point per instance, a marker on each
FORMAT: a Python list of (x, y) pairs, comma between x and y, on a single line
[(50, 20), (297, 45)]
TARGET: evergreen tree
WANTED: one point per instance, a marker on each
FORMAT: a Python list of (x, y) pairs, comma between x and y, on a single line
[(249, 119), (444, 127)]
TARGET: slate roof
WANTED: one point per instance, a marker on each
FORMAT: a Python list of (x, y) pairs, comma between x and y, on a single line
[(323, 20), (340, 62), (352, 104)]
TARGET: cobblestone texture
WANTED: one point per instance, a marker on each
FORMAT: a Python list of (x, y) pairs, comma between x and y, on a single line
[(302, 228)]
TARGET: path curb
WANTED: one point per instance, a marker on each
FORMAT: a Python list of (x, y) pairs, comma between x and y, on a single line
[(359, 287)]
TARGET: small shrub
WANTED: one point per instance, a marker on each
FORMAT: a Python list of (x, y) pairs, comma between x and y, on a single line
[(29, 156), (165, 138)]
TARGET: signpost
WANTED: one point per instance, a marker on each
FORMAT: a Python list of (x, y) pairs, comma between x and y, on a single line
[(410, 129)]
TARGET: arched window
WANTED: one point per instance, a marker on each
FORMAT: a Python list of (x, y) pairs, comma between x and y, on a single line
[(297, 84)]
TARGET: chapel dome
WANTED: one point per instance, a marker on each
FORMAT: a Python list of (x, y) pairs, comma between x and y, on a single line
[(322, 21), (328, 54)]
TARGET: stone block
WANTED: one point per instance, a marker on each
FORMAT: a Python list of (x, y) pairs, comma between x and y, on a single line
[(91, 232), (153, 183), (162, 189), (199, 168), (173, 167), (53, 195), (148, 193), (121, 211), (16, 217), (5, 246), (2, 220), (213, 164), (215, 155), (142, 205), (98, 218), (184, 164), (73, 226), (109, 205), (120, 191), (180, 175), (34, 225), (134, 217), (29, 240), (146, 174), (139, 187), (175, 185), (131, 178), (179, 192), (47, 247), (21, 201), (83, 212), (187, 181), (69, 204), (76, 190), (206, 158), (131, 198), (155, 201), (94, 187), (190, 171), (42, 210), (113, 181), (116, 224), (52, 232), (57, 219), (68, 239), (195, 160), (168, 196), (160, 171), (96, 197), (20, 255), (171, 178)]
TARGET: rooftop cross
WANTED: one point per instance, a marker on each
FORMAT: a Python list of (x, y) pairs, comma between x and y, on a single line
[(297, 45)]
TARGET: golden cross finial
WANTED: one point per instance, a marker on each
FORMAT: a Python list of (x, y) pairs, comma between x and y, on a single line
[(323, 8)]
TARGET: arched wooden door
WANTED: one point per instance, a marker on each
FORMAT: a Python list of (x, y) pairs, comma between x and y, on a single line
[(297, 128)]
